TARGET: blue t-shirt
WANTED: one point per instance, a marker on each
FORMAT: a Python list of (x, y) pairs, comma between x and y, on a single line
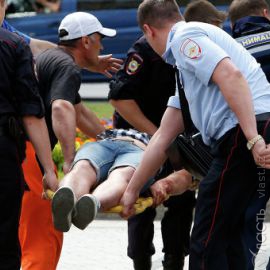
[(196, 49), (10, 28)]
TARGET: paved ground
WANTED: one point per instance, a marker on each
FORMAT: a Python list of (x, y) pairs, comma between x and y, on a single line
[(102, 246)]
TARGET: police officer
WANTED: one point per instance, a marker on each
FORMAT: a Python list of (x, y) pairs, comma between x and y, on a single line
[(19, 103), (229, 101), (251, 27), (139, 93), (40, 242)]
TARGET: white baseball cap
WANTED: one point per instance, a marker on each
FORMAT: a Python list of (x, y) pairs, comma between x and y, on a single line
[(79, 24)]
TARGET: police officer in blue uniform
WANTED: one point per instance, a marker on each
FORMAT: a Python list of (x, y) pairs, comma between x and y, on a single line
[(139, 93), (251, 28), (229, 101)]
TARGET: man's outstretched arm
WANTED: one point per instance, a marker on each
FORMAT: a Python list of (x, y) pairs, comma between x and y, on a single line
[(154, 157)]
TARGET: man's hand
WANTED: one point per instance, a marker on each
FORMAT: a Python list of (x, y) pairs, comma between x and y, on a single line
[(128, 200), (66, 167), (160, 191), (261, 154), (106, 65), (51, 182)]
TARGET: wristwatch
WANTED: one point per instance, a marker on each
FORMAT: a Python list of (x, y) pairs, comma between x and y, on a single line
[(253, 141)]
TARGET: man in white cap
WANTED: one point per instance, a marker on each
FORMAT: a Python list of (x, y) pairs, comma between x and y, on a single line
[(58, 71), (83, 26)]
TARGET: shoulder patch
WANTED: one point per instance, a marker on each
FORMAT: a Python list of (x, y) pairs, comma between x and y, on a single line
[(191, 49), (134, 63)]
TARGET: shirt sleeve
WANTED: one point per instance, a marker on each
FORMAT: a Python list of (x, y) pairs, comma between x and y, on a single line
[(130, 79), (25, 83), (199, 55), (174, 102), (10, 28), (66, 84)]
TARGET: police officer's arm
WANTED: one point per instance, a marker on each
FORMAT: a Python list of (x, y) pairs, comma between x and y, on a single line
[(64, 126), (37, 46), (87, 121), (237, 93), (30, 107), (127, 87), (154, 156), (37, 132), (132, 113)]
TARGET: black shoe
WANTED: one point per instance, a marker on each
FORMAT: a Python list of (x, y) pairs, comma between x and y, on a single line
[(142, 263), (172, 262), (62, 206)]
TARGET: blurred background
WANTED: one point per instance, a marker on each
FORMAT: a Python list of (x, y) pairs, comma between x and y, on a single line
[(40, 19)]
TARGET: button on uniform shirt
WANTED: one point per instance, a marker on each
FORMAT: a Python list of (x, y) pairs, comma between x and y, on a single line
[(196, 49)]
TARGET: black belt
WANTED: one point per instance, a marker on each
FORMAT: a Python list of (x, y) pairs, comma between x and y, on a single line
[(263, 116)]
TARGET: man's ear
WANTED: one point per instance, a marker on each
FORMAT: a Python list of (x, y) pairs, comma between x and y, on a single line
[(86, 42), (266, 13), (148, 30)]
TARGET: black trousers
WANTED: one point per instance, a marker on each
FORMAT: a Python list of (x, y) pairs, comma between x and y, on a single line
[(11, 190), (224, 194), (175, 228)]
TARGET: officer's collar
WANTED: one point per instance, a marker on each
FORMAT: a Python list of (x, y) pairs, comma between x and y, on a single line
[(168, 56), (250, 25)]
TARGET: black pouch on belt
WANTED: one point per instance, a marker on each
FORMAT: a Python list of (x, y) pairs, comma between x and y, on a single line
[(16, 132)]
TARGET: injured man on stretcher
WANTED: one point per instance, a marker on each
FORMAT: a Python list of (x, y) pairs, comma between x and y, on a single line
[(99, 176)]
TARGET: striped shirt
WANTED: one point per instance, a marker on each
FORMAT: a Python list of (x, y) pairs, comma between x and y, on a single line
[(114, 133)]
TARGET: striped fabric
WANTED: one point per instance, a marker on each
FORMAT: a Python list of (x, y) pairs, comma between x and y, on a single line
[(113, 133)]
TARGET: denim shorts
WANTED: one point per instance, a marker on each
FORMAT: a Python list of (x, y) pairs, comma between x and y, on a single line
[(108, 154)]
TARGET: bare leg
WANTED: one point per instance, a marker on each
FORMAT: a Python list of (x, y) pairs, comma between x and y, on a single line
[(110, 191), (80, 179), (74, 185)]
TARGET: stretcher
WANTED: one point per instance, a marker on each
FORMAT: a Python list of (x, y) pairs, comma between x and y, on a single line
[(140, 205)]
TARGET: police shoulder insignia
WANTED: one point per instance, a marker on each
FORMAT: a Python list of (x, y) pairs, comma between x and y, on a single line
[(191, 49), (133, 64)]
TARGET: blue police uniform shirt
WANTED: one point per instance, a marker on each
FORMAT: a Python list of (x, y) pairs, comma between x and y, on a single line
[(196, 49), (10, 28)]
